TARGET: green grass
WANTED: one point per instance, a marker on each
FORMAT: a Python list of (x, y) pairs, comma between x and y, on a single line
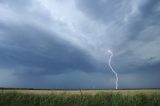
[(99, 99)]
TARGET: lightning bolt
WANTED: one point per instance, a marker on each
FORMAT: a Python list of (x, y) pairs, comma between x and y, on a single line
[(115, 73)]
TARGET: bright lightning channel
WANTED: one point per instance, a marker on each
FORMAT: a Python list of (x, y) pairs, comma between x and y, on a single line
[(115, 73)]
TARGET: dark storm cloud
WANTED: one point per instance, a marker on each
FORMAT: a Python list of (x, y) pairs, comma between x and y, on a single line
[(40, 53), (149, 66), (52, 43), (137, 22), (131, 64), (115, 11), (148, 15)]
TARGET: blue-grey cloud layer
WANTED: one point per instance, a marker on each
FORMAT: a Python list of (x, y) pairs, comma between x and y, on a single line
[(59, 44)]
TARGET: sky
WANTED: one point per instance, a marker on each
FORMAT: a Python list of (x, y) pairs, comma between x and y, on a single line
[(63, 44)]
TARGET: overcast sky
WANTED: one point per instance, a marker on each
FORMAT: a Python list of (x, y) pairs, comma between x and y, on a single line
[(64, 43)]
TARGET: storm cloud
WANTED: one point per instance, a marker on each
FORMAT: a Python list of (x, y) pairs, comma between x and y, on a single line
[(63, 43)]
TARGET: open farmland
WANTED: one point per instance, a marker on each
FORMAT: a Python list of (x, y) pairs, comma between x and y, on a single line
[(79, 92), (80, 98)]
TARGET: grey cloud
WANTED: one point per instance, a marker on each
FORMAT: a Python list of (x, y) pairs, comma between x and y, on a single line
[(42, 42), (16, 3), (146, 17), (149, 66), (71, 80), (35, 50), (139, 80), (114, 11), (105, 10)]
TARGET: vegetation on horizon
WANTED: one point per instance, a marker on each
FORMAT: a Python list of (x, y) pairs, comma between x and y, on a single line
[(100, 99)]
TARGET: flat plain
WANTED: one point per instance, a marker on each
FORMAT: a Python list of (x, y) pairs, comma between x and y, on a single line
[(143, 97), (90, 92)]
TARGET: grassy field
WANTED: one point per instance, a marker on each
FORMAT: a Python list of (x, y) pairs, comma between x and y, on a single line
[(80, 98)]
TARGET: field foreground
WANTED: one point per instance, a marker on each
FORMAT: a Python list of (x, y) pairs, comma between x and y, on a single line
[(80, 98)]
